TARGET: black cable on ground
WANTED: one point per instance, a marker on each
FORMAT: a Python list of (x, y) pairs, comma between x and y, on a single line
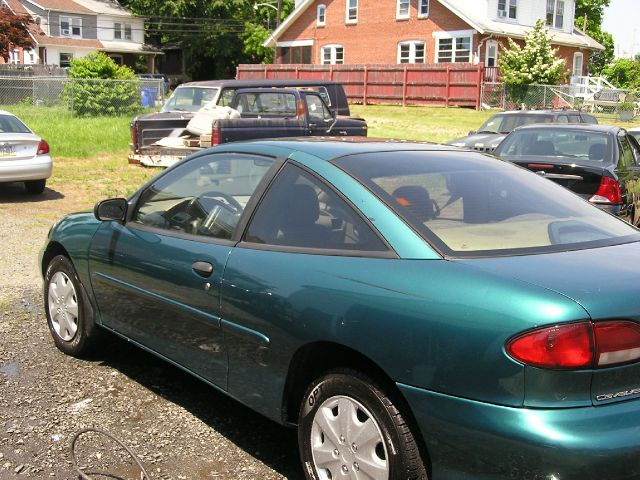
[(83, 475)]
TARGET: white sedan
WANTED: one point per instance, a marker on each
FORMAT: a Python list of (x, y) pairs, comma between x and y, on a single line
[(24, 156)]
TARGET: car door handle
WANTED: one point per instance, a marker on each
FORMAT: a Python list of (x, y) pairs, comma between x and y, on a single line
[(204, 269)]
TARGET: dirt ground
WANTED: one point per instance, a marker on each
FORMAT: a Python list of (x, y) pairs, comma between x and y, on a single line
[(177, 426)]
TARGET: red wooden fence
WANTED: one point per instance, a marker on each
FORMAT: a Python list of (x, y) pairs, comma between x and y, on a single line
[(456, 84)]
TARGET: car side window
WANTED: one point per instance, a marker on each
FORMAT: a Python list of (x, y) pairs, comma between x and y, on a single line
[(301, 211), (318, 111), (205, 196), (627, 157)]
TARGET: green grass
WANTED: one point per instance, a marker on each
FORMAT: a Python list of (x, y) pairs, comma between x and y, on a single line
[(75, 137)]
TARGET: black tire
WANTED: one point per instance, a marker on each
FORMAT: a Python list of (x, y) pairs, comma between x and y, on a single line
[(82, 341), (35, 187), (397, 446)]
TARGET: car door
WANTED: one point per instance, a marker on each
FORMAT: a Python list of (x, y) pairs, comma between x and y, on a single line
[(320, 117), (157, 277), (628, 171), (288, 280)]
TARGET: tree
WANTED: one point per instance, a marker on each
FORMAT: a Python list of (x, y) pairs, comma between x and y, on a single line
[(215, 35), (623, 73), (589, 14), (13, 32), (535, 63), (95, 89)]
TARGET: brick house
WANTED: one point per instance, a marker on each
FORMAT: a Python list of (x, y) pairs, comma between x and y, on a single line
[(65, 29), (424, 31)]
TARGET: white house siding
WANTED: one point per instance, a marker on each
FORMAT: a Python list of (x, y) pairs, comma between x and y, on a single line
[(106, 32)]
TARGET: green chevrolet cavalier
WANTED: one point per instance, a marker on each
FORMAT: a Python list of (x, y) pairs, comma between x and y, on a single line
[(415, 311)]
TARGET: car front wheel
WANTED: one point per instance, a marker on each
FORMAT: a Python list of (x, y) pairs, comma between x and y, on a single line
[(69, 313), (348, 428)]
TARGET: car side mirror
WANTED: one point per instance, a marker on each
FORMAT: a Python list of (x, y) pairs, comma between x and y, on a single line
[(111, 209)]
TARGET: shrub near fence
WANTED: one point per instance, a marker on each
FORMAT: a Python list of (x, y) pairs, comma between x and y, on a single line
[(406, 84), (83, 96)]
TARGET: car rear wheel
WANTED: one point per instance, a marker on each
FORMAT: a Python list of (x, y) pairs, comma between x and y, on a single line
[(348, 428), (68, 310), (35, 187)]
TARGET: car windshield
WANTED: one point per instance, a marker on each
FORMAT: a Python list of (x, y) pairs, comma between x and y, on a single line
[(190, 99), (576, 145), (473, 205), (10, 124), (504, 123)]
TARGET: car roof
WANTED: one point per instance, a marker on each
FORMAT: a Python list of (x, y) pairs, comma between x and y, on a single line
[(539, 112), (256, 83), (329, 148), (587, 127), (4, 112)]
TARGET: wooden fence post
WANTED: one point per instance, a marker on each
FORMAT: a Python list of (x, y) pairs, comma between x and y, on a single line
[(480, 81), (366, 85), (448, 88), (404, 87)]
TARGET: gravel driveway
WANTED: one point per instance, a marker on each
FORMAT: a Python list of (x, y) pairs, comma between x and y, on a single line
[(178, 427)]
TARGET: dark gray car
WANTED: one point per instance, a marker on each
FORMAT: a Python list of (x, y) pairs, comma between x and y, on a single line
[(493, 131)]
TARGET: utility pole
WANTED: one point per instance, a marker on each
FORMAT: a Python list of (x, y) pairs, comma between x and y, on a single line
[(279, 13)]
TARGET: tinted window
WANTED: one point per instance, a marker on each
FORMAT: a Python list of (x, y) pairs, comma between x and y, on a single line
[(10, 124), (504, 123), (301, 211), (204, 197), (579, 145), (627, 157), (470, 204)]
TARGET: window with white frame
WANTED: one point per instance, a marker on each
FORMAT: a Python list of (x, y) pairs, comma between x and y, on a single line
[(454, 50), (30, 57), (508, 9), (65, 59), (321, 18), (412, 51), (578, 63), (423, 8), (402, 9), (555, 13), (15, 56), (71, 27), (121, 31), (332, 55), (352, 11)]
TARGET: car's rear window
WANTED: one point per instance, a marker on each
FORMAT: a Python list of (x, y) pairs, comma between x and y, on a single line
[(575, 145), (10, 124), (468, 204), (504, 123), (190, 99)]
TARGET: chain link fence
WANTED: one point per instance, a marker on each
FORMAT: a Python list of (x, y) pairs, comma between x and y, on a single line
[(90, 97), (606, 103)]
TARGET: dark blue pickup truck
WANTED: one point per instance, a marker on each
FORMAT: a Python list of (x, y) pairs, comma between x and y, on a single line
[(263, 113)]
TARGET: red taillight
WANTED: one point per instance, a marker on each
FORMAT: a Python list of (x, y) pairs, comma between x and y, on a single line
[(608, 192), (578, 345), (301, 108), (43, 148), (215, 135)]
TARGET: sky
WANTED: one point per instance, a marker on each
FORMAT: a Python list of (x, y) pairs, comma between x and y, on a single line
[(621, 20)]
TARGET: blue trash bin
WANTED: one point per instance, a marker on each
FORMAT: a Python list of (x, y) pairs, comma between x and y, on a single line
[(148, 96)]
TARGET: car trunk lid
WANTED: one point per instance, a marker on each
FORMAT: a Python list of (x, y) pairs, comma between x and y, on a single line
[(18, 146), (606, 283)]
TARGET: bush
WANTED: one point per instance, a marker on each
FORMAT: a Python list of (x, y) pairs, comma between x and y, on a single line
[(99, 86), (623, 73)]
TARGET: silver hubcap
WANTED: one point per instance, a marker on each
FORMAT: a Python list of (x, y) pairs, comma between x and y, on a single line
[(346, 442), (63, 306)]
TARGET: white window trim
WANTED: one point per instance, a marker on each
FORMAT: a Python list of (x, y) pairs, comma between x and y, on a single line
[(71, 25), (296, 43), (492, 43), (332, 60), (71, 57), (453, 46), (400, 16), (346, 13), (506, 17), (555, 15), (420, 4), (322, 23), (577, 55), (15, 56), (412, 51)]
